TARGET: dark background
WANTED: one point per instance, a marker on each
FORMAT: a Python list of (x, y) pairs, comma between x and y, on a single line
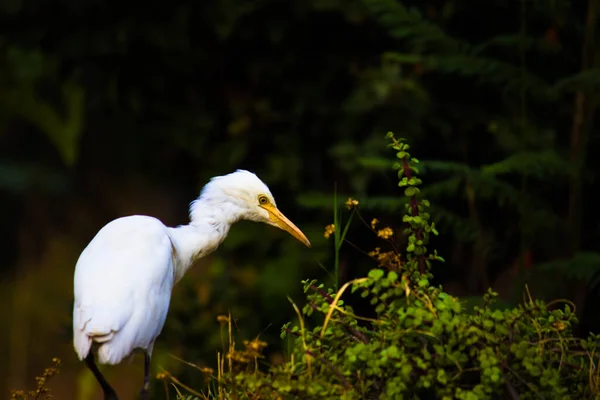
[(110, 109)]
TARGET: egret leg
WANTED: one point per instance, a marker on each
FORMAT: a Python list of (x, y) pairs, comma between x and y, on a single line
[(145, 393), (109, 392)]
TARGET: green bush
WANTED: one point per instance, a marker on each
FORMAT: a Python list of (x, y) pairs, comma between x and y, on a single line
[(419, 342)]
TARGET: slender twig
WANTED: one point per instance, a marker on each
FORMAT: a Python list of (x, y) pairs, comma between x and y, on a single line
[(336, 371), (511, 389)]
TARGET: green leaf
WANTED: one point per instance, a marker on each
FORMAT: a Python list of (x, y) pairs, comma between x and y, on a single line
[(376, 274), (411, 191)]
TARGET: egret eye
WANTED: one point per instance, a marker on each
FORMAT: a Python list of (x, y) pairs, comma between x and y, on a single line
[(262, 199)]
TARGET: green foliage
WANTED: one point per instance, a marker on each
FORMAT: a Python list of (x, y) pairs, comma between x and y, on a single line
[(583, 266), (21, 72), (418, 342), (408, 23), (523, 157)]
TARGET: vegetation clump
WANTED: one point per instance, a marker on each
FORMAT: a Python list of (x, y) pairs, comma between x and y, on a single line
[(41, 391), (418, 342)]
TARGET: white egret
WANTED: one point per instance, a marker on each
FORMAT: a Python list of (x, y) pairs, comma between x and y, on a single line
[(124, 277)]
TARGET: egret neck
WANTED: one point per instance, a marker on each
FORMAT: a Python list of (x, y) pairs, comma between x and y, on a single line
[(208, 228)]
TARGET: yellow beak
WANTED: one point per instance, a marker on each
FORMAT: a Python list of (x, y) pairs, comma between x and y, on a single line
[(282, 222)]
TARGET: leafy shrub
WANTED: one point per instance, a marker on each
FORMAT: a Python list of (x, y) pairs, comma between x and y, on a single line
[(419, 342)]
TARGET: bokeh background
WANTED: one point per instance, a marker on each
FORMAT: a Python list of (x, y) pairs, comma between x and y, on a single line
[(113, 108)]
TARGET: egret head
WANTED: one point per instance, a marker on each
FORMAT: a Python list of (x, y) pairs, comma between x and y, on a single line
[(251, 198)]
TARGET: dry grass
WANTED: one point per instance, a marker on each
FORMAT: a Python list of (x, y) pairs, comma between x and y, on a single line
[(41, 391)]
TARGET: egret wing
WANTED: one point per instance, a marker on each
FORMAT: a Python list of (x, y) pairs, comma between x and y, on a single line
[(120, 283)]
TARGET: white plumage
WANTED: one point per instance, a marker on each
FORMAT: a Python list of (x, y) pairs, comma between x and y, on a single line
[(128, 263), (124, 277)]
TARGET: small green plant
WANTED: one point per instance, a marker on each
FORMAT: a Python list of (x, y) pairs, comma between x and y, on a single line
[(419, 342)]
